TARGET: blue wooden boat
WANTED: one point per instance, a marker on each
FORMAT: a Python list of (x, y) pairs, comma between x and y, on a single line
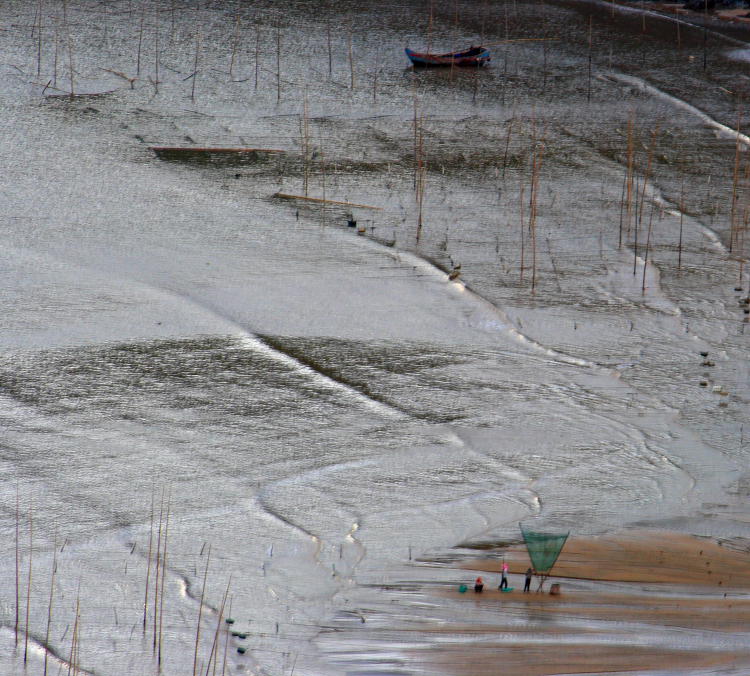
[(471, 57)]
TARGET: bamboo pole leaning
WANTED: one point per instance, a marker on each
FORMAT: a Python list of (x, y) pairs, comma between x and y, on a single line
[(49, 603), (200, 613), (28, 585)]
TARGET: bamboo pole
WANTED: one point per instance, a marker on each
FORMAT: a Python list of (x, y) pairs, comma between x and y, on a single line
[(200, 613), (57, 50), (622, 208), (644, 189), (422, 171), (148, 560), (735, 182), (226, 643), (278, 63), (70, 47), (156, 572), (351, 56), (429, 25), (195, 65), (163, 575), (505, 58), (28, 585), (49, 603), (235, 42), (330, 50), (39, 40), (156, 51), (323, 175), (520, 202), (140, 42), (507, 138), (18, 567), (257, 54), (537, 163), (305, 147), (212, 657), (588, 93), (415, 134), (544, 46), (73, 660), (630, 169), (648, 243), (682, 213)]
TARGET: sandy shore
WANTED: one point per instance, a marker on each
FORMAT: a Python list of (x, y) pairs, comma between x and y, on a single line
[(612, 589)]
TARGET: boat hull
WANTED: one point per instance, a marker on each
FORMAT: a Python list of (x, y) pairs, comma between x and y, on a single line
[(474, 57)]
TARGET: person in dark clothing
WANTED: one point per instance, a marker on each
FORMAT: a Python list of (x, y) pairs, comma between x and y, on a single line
[(527, 584), (478, 585)]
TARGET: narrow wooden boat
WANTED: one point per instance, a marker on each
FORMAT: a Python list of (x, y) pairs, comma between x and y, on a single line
[(226, 156), (472, 57)]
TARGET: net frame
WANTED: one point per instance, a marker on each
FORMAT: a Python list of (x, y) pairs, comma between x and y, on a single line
[(543, 558)]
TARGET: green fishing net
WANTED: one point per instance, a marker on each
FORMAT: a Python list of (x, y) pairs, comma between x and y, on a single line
[(543, 548)]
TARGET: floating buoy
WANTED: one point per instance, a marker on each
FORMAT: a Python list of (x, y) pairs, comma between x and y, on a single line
[(229, 620), (704, 354), (241, 650), (704, 383), (462, 589)]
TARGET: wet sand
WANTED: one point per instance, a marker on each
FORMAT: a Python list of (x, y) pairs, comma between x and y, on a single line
[(677, 582)]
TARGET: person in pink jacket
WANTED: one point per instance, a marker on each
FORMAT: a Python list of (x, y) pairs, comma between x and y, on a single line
[(504, 577)]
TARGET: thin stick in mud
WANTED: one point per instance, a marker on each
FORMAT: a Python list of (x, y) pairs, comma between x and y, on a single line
[(278, 63), (18, 568), (591, 23), (39, 40), (735, 182), (163, 576), (70, 47), (28, 586), (158, 568), (213, 655), (257, 54), (195, 65), (49, 603), (682, 214), (140, 42), (235, 42), (648, 243), (351, 56), (148, 560), (330, 50), (200, 612)]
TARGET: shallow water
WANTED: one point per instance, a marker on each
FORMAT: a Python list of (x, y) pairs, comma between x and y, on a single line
[(326, 415)]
